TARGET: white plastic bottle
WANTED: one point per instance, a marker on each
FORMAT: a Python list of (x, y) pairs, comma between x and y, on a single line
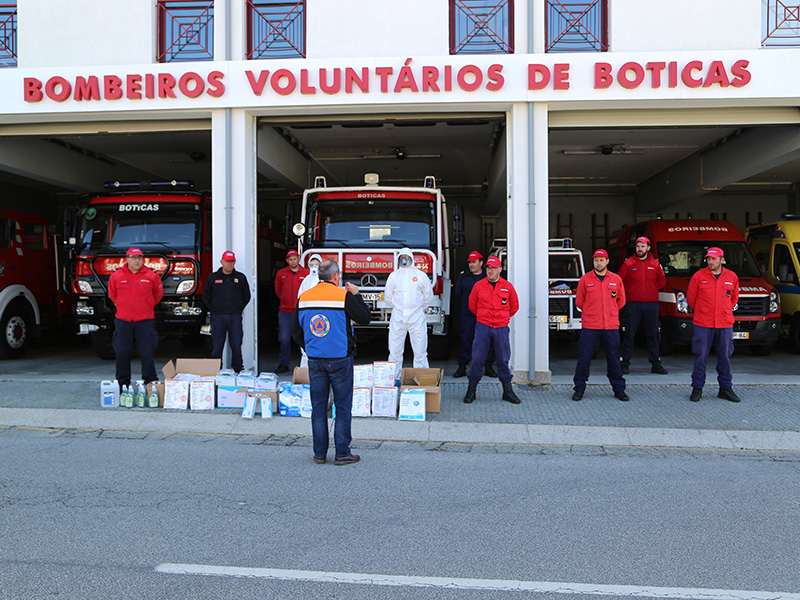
[(109, 393)]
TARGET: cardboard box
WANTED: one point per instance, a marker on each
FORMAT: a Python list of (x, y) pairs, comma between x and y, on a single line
[(362, 402), (264, 402), (205, 367), (383, 374), (362, 376), (294, 400), (412, 404), (226, 377), (267, 382), (384, 402), (433, 393), (176, 394), (159, 385), (300, 375), (201, 394), (231, 396), (246, 379)]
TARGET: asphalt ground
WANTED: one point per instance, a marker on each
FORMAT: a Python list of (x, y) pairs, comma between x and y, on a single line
[(58, 387)]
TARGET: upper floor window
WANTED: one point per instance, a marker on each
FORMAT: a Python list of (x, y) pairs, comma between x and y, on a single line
[(276, 29), (481, 26), (576, 26), (780, 23), (185, 30), (8, 34)]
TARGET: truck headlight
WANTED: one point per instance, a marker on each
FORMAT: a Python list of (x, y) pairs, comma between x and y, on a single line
[(84, 286), (186, 286), (683, 304), (774, 302), (432, 310)]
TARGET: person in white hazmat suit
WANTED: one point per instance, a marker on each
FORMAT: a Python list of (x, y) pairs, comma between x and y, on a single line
[(310, 281), (408, 292)]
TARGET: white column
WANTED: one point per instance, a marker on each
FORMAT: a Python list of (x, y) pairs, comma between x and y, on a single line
[(234, 208)]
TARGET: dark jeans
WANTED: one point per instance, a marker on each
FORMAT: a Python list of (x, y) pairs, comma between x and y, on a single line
[(327, 374), (645, 313), (586, 347), (230, 326), (488, 339), (467, 337), (703, 339), (285, 321), (146, 337)]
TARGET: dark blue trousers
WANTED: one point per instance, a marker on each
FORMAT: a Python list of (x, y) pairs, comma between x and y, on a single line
[(646, 314), (146, 337), (230, 326), (467, 336), (703, 339), (486, 339), (325, 375), (586, 347), (285, 321)]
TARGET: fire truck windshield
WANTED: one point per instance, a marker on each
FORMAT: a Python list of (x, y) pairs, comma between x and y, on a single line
[(684, 258), (354, 223), (116, 226), (564, 267)]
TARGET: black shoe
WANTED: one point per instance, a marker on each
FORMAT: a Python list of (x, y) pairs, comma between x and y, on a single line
[(578, 395), (697, 393), (469, 397), (659, 369), (461, 371), (282, 369), (621, 395), (509, 395), (320, 460), (347, 460), (489, 371), (728, 394), (625, 369)]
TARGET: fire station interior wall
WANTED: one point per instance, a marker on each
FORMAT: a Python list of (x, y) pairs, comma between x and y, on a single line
[(684, 25), (85, 32), (356, 28)]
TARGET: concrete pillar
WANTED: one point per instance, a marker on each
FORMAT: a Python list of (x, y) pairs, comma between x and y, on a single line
[(234, 209)]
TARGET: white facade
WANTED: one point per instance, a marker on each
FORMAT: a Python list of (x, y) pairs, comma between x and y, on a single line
[(671, 64)]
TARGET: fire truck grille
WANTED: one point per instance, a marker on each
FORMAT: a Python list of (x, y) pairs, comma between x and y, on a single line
[(356, 279), (751, 307), (560, 306)]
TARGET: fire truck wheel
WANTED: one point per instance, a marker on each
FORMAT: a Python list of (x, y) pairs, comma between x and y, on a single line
[(762, 349), (16, 330), (794, 333), (101, 344)]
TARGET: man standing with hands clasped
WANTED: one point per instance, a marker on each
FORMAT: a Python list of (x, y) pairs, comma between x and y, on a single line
[(642, 276), (712, 294), (225, 295), (287, 286), (600, 296)]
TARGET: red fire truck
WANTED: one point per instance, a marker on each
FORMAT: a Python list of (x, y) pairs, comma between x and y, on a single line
[(30, 281), (680, 246), (364, 228), (172, 226)]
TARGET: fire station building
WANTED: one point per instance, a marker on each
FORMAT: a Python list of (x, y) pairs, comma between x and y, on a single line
[(541, 118)]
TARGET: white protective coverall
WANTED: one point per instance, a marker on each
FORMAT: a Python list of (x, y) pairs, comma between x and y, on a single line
[(310, 281), (409, 292)]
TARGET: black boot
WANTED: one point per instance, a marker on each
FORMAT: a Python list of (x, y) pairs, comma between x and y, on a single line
[(469, 397), (509, 395), (461, 371)]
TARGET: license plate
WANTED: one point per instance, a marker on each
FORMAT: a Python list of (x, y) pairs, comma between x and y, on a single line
[(558, 318), (372, 296), (741, 335)]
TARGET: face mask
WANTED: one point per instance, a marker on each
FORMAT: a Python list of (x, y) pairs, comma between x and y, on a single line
[(314, 269), (405, 261)]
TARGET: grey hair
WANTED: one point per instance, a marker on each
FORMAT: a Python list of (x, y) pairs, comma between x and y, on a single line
[(327, 269)]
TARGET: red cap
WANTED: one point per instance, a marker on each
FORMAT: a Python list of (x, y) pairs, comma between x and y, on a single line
[(600, 252), (715, 252), (134, 252), (643, 240), (474, 255), (228, 255), (292, 253), (493, 261)]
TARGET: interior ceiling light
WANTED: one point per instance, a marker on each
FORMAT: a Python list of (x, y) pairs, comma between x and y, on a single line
[(605, 149), (377, 157)]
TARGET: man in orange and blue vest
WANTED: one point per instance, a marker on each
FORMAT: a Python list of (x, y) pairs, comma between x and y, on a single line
[(323, 328)]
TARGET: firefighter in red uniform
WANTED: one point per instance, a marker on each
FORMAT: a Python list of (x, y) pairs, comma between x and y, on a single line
[(493, 301), (712, 294), (287, 284), (135, 290), (600, 297), (642, 276)]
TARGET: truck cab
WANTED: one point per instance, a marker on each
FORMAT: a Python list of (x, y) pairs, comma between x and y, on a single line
[(565, 271), (680, 246), (777, 250)]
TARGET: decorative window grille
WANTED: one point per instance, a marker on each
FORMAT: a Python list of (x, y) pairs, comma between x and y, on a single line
[(8, 35), (276, 29), (576, 26), (780, 23), (185, 30), (481, 26)]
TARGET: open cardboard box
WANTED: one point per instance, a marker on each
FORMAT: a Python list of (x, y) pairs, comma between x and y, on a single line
[(300, 375), (433, 393), (205, 367)]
